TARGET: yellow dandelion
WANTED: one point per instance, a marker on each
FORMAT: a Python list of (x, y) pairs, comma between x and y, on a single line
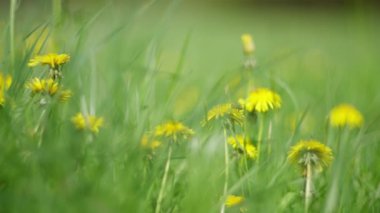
[(243, 144), (79, 121), (94, 123), (174, 130), (233, 200), (345, 115), (310, 152), (91, 122), (261, 100), (5, 84), (65, 95), (248, 45), (225, 111), (51, 87), (36, 85), (52, 59), (148, 142)]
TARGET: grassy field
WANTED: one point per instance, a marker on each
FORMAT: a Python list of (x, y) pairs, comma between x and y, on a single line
[(138, 65)]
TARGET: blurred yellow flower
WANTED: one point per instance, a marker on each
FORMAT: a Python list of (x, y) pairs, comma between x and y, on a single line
[(37, 85), (225, 111), (5, 84), (174, 130), (51, 86), (242, 144), (345, 114), (261, 100), (89, 122), (248, 45), (148, 142), (233, 200), (52, 59), (65, 95), (311, 152)]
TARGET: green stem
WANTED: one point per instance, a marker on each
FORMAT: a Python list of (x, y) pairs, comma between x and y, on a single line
[(12, 32), (260, 137), (164, 179), (226, 164), (57, 11), (308, 184)]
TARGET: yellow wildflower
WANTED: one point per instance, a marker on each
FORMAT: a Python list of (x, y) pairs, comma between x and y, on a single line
[(311, 151), (345, 114), (243, 144), (65, 95), (36, 85), (51, 86), (233, 200), (174, 130), (148, 142), (225, 111), (261, 100), (5, 84), (90, 122), (248, 45), (52, 59)]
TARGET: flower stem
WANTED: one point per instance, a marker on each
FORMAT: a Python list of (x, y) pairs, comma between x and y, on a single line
[(260, 137), (164, 179), (308, 184), (226, 164)]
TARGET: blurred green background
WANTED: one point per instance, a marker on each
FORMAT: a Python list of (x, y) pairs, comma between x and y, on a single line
[(139, 63)]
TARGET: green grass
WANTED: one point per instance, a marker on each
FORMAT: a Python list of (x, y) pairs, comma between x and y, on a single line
[(141, 64)]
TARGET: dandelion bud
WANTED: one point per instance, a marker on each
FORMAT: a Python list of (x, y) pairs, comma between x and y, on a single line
[(248, 45)]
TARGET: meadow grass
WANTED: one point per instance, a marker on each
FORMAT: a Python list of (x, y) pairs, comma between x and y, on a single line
[(139, 65)]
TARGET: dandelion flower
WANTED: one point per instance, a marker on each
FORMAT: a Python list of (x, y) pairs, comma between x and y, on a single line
[(65, 95), (53, 60), (243, 144), (248, 45), (225, 111), (345, 114), (36, 85), (148, 142), (5, 84), (174, 130), (261, 100), (91, 122), (51, 86), (233, 200), (310, 152)]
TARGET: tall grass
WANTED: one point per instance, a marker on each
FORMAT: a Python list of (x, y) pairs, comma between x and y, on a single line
[(138, 65)]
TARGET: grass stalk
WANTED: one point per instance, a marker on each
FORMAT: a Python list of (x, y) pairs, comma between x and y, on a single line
[(260, 137), (226, 174), (12, 11), (164, 179)]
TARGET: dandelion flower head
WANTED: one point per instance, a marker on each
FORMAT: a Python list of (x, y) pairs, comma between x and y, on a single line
[(52, 59), (5, 84), (89, 122), (248, 45), (148, 142), (345, 114), (242, 144), (173, 130), (225, 111), (311, 152), (37, 85), (261, 100), (233, 200)]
